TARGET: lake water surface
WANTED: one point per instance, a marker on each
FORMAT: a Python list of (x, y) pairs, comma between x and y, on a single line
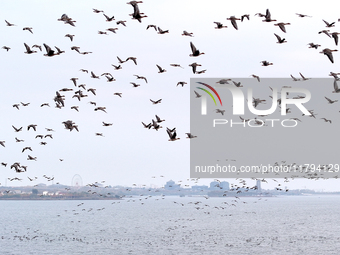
[(172, 225)]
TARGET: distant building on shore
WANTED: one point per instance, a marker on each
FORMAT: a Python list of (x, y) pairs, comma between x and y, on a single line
[(171, 185), (199, 187), (258, 185), (215, 185)]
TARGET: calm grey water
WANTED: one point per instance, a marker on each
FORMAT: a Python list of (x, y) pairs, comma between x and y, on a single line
[(173, 225)]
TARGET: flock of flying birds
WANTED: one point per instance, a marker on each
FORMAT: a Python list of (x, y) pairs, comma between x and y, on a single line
[(81, 91)]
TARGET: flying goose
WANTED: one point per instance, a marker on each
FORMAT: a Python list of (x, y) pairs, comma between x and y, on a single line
[(189, 135), (26, 148), (268, 17), (155, 125), (59, 51), (336, 38), (110, 78), (282, 25), (133, 59), (257, 101), (67, 20), (18, 140), (312, 45), (266, 63), (195, 52), (59, 99), (121, 22), (136, 13), (237, 84), (113, 30), (219, 25), (107, 124), (223, 81), (326, 120), (331, 101), (70, 125), (328, 53), (161, 70), (303, 77), (108, 19), (117, 67), (194, 66), (29, 157), (325, 32), (9, 24), (33, 126), (92, 90), (75, 108), (70, 36), (141, 77), (182, 83), (148, 126), (17, 129), (28, 29), (244, 16), (45, 104), (153, 26), (302, 15), (279, 40), (28, 49), (96, 10), (160, 31), (159, 120), (294, 79), (172, 136), (156, 102), (94, 76), (201, 71), (121, 61), (176, 65), (135, 85), (233, 21), (335, 75), (185, 33), (220, 111), (197, 95), (49, 51), (76, 48), (329, 24)]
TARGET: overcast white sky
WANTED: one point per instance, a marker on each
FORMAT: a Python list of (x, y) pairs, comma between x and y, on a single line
[(128, 153)]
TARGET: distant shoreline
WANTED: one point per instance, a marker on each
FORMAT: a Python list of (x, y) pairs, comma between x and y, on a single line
[(58, 198)]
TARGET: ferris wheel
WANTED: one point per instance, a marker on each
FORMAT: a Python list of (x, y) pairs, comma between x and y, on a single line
[(77, 181)]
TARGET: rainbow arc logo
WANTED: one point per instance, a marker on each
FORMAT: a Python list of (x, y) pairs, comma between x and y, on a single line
[(209, 93)]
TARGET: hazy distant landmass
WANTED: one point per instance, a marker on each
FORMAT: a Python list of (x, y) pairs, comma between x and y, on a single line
[(97, 191)]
